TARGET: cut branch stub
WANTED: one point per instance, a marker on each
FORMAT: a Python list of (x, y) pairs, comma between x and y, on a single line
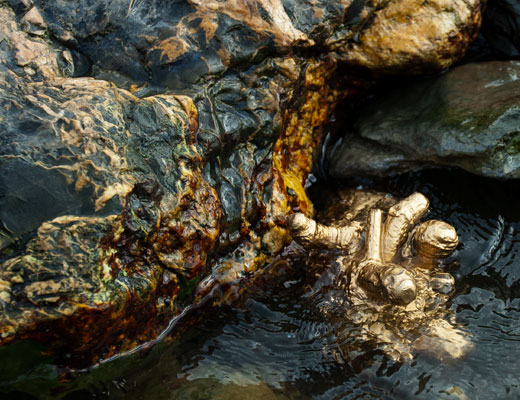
[(309, 233), (435, 239)]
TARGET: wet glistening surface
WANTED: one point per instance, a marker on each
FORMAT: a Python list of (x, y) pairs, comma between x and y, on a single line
[(278, 344)]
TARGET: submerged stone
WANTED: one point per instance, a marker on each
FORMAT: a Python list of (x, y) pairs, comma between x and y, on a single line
[(468, 117)]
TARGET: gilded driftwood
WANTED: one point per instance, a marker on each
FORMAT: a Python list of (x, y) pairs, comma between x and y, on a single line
[(394, 282)]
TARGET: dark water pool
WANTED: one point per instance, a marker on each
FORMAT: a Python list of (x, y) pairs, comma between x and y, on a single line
[(277, 345)]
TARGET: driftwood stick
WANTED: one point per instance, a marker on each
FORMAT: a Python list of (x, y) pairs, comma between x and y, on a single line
[(385, 280), (373, 236)]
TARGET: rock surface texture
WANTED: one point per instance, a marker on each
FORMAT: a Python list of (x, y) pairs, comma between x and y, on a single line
[(408, 31), (468, 117), (151, 149)]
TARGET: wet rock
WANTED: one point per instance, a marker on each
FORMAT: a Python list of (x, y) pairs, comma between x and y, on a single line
[(150, 151), (101, 192), (468, 117), (101, 199), (415, 36), (179, 44), (499, 37), (32, 22)]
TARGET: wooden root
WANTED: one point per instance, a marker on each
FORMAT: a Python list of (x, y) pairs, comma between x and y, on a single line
[(401, 217), (384, 280), (309, 233)]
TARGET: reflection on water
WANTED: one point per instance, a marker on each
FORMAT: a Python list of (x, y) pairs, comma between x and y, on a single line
[(276, 344)]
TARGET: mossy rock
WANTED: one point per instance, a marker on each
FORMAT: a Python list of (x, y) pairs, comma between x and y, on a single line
[(467, 117)]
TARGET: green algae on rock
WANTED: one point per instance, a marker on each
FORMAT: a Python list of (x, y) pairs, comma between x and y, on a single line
[(468, 117)]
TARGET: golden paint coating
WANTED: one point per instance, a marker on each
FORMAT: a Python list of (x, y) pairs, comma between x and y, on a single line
[(376, 277), (373, 238), (400, 218), (376, 272), (435, 239), (400, 305), (307, 231)]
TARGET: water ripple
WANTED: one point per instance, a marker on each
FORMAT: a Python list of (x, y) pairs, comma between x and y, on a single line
[(283, 345)]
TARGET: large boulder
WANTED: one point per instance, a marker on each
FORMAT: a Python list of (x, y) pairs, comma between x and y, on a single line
[(150, 151), (468, 117)]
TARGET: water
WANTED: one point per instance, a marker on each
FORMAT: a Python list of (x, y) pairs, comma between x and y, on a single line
[(276, 344)]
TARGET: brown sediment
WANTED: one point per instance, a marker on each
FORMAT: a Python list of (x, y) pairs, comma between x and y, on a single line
[(304, 120), (102, 322), (188, 233)]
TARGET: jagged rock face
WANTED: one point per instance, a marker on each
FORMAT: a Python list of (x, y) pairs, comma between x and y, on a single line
[(150, 151), (468, 117), (77, 153), (177, 44)]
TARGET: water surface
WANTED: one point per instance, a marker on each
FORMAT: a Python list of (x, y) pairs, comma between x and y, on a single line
[(276, 344)]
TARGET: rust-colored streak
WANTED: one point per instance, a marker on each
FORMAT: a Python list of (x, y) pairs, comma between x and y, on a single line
[(189, 231), (171, 49), (294, 150), (193, 116), (278, 24)]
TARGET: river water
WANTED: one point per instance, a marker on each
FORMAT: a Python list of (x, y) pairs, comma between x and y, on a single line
[(276, 344)]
